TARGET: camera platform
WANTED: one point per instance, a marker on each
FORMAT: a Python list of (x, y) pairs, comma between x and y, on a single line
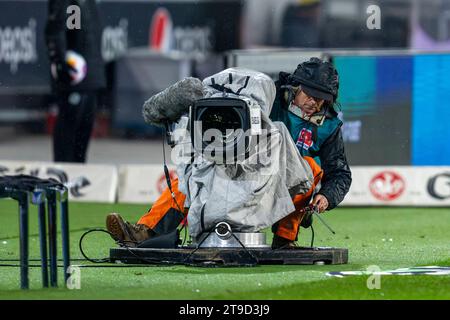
[(230, 257), (224, 248)]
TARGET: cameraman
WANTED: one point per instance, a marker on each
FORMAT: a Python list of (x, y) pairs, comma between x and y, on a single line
[(76, 102), (304, 103)]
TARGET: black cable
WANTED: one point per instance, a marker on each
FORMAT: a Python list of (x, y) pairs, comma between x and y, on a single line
[(31, 235), (312, 236), (18, 265), (324, 223), (81, 265), (198, 246), (38, 260), (122, 244), (169, 182), (245, 248), (80, 245), (256, 261), (183, 226), (135, 255), (185, 233)]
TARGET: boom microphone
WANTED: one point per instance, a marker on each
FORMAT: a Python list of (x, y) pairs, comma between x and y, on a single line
[(170, 104)]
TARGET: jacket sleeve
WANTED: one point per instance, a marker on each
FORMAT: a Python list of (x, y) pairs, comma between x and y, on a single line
[(337, 175), (55, 30)]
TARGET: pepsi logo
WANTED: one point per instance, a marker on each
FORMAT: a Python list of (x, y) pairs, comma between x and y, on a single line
[(161, 31)]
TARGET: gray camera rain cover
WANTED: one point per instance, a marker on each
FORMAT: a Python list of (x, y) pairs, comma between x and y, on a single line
[(252, 194)]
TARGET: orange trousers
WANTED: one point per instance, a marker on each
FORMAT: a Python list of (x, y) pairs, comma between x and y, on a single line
[(287, 227)]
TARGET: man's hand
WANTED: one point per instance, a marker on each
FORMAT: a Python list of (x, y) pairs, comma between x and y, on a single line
[(321, 202)]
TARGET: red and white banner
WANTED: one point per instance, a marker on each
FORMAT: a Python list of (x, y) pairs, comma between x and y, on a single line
[(142, 183), (371, 186), (399, 186)]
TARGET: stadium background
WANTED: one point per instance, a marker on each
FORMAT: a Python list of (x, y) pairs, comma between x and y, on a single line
[(394, 97), (394, 86)]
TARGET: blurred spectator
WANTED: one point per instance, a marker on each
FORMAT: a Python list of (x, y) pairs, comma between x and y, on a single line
[(78, 74)]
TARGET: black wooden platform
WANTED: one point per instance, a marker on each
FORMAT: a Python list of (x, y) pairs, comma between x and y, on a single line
[(230, 256)]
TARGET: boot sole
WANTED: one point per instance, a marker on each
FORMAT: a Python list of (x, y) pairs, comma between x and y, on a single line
[(114, 225)]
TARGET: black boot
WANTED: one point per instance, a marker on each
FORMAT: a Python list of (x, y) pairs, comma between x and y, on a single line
[(282, 243)]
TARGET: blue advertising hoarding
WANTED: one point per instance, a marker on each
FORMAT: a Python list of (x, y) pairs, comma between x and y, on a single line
[(431, 110), (395, 108), (375, 98)]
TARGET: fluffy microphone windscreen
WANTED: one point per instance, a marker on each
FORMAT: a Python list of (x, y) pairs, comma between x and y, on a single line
[(171, 103)]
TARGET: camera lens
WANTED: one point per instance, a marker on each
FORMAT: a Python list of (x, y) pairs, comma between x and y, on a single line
[(219, 127), (220, 118)]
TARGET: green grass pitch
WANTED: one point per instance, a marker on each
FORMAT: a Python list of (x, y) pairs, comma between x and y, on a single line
[(412, 237)]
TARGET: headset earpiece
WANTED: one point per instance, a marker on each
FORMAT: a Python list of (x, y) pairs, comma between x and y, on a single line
[(286, 96), (289, 93)]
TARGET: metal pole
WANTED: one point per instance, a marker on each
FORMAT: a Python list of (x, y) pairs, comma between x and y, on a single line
[(63, 198), (39, 199), (52, 226), (23, 235), (324, 222)]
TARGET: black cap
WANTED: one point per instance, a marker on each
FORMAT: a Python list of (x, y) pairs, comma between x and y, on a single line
[(315, 93), (319, 79)]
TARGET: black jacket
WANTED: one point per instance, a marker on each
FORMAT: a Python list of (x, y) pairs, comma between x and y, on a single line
[(337, 175), (86, 41)]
